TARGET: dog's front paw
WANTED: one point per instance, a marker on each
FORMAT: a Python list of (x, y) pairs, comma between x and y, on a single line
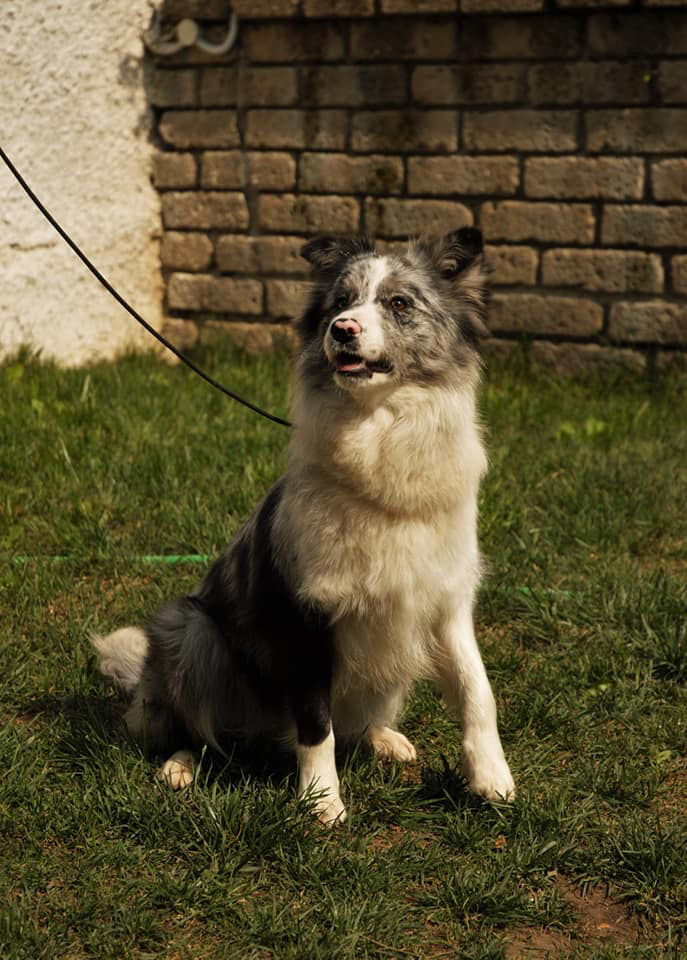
[(391, 745), (178, 771), (330, 810), (489, 776)]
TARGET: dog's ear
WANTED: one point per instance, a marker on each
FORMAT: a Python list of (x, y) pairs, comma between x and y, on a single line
[(459, 259), (327, 254), (459, 249)]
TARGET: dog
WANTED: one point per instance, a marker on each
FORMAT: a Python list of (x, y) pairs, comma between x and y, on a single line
[(356, 574)]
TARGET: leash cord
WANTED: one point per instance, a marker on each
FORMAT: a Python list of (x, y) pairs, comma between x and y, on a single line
[(129, 309)]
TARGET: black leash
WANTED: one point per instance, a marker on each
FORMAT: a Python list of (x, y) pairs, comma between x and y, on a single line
[(129, 309)]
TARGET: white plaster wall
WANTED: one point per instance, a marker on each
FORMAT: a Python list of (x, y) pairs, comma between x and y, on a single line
[(74, 120)]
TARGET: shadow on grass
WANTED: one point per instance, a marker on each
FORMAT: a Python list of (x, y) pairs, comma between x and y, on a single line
[(86, 727)]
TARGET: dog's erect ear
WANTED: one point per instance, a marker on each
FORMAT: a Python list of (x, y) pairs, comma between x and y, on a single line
[(329, 253), (458, 258), (456, 251)]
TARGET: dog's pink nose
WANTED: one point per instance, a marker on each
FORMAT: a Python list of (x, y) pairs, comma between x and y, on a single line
[(345, 328)]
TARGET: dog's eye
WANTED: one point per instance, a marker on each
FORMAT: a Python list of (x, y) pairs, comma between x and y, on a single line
[(341, 301), (399, 304)]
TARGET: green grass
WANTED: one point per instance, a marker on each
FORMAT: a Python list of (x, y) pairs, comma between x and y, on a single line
[(582, 622)]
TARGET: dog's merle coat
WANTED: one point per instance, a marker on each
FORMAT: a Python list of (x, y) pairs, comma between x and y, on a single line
[(356, 574)]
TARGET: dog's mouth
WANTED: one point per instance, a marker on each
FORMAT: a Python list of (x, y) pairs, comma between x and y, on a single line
[(353, 365)]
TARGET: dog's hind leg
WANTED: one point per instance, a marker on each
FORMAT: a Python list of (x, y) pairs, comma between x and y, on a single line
[(381, 711), (463, 681), (390, 744)]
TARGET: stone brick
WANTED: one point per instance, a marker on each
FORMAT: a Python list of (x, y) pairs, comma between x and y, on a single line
[(669, 179), (551, 131), (293, 42), (173, 88), (403, 39), (419, 6), (253, 86), (405, 130), (172, 170), (593, 3), (649, 321), (644, 226), (614, 271), (671, 362), (460, 174), (183, 333), (500, 349), (282, 255), (338, 8), (649, 34), (544, 315), (199, 128), (238, 253), (678, 271), (611, 178), (672, 81), (540, 37), (197, 291), (199, 9), (253, 337), (501, 6), (341, 173), (285, 298), (185, 251), (254, 9), (197, 210), (584, 359), (288, 213), (402, 218), (353, 85), (589, 83), (622, 131), (514, 220), (235, 169), (298, 129), (473, 83), (510, 265)]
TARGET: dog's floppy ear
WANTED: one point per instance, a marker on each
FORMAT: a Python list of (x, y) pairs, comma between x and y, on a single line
[(329, 253), (459, 259)]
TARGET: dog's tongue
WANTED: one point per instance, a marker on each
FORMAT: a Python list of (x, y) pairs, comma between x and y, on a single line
[(350, 366)]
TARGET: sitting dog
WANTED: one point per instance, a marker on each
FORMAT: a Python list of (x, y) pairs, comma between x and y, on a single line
[(356, 574)]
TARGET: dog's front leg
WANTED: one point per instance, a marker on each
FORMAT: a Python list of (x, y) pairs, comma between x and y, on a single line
[(317, 776), (463, 681)]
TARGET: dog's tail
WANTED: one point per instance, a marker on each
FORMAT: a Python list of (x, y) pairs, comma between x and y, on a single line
[(122, 655)]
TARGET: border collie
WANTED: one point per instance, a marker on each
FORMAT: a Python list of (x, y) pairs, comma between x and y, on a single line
[(356, 574)]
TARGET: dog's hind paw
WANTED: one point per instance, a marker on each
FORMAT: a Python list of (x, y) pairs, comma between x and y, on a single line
[(178, 771), (391, 745)]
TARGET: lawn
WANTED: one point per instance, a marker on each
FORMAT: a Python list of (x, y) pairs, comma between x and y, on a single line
[(582, 621)]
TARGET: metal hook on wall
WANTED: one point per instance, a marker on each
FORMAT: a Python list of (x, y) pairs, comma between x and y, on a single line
[(187, 33)]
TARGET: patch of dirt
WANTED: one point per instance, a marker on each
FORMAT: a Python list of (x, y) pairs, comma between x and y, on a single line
[(599, 919)]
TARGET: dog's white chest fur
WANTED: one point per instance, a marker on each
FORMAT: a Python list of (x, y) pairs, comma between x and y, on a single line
[(379, 520)]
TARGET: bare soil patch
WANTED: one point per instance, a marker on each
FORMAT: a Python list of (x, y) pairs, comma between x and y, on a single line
[(599, 918)]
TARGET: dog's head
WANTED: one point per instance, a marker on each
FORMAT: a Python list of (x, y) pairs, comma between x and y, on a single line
[(375, 319)]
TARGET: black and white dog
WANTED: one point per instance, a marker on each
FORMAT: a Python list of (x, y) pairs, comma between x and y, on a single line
[(356, 574)]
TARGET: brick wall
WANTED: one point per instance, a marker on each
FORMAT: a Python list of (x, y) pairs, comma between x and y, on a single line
[(561, 131)]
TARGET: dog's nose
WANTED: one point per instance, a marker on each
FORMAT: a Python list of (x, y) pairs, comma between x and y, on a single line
[(345, 329)]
